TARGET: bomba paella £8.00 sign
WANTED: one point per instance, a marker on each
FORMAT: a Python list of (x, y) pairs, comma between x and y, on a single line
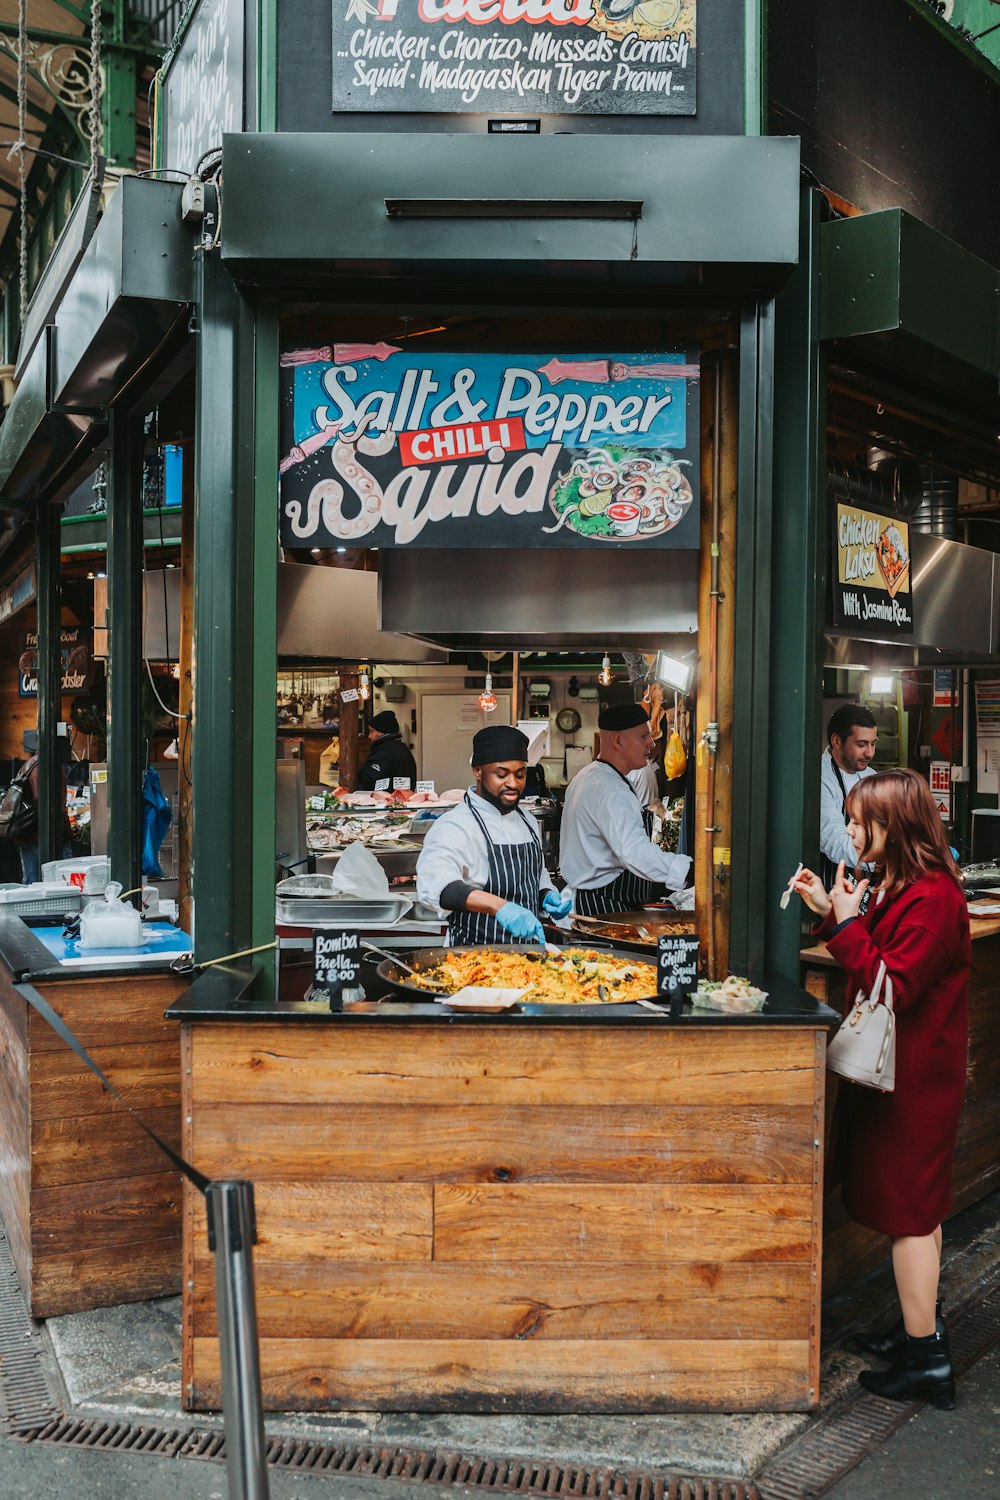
[(610, 57), (383, 447)]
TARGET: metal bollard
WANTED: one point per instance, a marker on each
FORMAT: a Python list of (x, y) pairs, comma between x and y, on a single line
[(232, 1233)]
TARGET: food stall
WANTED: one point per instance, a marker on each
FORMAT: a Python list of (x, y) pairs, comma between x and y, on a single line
[(553, 1208), (91, 1209), (913, 634)]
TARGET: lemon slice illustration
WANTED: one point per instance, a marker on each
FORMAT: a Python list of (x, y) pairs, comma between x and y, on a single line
[(595, 505), (659, 13)]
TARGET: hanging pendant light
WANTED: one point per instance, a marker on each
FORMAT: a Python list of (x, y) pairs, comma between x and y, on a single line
[(487, 698), (604, 676)]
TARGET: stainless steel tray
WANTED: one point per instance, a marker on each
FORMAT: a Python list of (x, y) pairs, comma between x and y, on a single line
[(340, 911)]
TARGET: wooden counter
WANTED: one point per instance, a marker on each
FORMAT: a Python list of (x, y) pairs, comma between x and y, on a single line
[(92, 1217), (600, 1213), (850, 1250)]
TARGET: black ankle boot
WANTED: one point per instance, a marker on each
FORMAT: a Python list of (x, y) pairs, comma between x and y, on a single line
[(922, 1372), (889, 1345)]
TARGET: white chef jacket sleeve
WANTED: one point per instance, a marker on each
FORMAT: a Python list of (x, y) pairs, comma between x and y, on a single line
[(833, 840), (448, 854), (628, 841)]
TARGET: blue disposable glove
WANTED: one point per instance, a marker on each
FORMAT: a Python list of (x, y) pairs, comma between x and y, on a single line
[(556, 904), (521, 923)]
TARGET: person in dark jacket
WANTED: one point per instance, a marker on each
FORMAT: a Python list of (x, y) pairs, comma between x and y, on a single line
[(389, 759), (894, 1151)]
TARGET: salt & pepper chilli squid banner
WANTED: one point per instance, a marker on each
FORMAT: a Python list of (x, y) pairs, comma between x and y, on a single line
[(611, 57), (387, 448), (871, 587)]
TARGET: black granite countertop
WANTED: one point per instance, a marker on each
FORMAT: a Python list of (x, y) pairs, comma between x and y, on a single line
[(28, 961), (227, 993)]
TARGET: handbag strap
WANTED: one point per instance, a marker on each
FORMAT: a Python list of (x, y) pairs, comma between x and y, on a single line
[(882, 979)]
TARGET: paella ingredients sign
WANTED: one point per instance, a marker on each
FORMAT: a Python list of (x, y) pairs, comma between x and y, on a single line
[(387, 448), (872, 583), (609, 57)]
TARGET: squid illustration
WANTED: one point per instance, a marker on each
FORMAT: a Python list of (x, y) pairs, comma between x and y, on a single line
[(326, 499)]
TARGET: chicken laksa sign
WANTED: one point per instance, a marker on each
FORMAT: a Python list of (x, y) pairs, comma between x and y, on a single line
[(872, 584), (617, 57), (384, 448)]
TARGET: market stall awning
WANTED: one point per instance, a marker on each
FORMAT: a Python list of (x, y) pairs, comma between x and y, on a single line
[(128, 298), (904, 295), (38, 446), (697, 213)]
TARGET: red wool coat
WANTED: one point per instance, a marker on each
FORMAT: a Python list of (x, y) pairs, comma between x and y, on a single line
[(893, 1152)]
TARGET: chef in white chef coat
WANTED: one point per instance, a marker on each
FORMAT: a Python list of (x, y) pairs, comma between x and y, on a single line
[(482, 862), (606, 854)]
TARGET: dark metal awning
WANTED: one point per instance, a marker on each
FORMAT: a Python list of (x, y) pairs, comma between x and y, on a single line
[(39, 447), (692, 214), (896, 293), (127, 298)]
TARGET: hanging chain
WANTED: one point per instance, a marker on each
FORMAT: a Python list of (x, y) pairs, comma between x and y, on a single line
[(96, 85), (22, 162)]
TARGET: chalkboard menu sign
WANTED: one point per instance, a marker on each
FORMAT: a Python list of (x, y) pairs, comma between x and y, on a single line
[(336, 964), (677, 963)]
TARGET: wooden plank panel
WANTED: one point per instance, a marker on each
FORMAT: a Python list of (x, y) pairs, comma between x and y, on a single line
[(122, 1211), (64, 1280), (498, 1143), (501, 1375), (146, 1075), (15, 1126), (110, 1012), (568, 1301), (340, 1221), (100, 1146), (493, 1065), (607, 1225)]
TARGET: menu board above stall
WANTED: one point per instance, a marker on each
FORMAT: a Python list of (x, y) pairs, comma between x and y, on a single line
[(387, 448), (871, 585), (607, 57)]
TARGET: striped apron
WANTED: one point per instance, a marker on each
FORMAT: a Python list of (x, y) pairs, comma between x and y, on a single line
[(627, 892), (515, 874)]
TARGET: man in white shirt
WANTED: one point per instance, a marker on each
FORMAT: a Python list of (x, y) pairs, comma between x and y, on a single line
[(482, 863), (605, 850), (851, 741)]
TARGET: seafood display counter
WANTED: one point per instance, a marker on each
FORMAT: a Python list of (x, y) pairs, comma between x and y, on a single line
[(850, 1250), (91, 1214), (571, 1208)]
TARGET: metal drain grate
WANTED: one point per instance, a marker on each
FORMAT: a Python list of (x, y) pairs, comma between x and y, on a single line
[(433, 1466), (839, 1442), (25, 1399)]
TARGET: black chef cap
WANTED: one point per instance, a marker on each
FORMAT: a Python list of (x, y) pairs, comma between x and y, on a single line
[(499, 742), (385, 722), (622, 716)]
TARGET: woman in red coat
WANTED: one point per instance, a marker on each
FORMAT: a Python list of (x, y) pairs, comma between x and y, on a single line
[(896, 1149)]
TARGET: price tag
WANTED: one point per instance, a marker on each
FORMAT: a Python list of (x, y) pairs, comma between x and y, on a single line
[(401, 783), (426, 786), (676, 963), (349, 695), (317, 804), (383, 785), (336, 964)]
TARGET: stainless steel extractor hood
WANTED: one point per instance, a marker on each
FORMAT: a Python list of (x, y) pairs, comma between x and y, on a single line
[(956, 613), (467, 600), (331, 614)]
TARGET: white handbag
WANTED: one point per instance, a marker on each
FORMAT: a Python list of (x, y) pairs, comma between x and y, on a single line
[(864, 1049)]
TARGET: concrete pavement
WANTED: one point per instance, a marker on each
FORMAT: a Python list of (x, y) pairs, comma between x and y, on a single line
[(124, 1363)]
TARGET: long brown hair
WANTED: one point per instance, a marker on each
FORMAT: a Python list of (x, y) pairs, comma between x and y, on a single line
[(915, 843)]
